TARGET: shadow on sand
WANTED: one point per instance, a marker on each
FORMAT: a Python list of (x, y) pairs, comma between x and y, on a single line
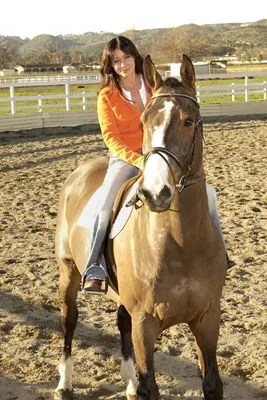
[(181, 376)]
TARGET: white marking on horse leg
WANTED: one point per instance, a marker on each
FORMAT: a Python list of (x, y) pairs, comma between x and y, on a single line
[(128, 373), (65, 370)]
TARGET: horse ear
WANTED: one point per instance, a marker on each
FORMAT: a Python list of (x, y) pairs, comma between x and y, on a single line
[(187, 73), (152, 77)]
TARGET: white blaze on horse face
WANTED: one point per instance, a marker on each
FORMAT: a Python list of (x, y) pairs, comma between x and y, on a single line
[(156, 170)]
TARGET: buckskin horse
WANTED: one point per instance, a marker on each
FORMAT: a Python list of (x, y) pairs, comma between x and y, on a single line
[(170, 261)]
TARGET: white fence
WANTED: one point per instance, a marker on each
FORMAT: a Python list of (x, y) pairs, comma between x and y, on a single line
[(76, 118), (83, 100), (233, 90), (48, 80), (39, 80), (68, 115), (47, 120)]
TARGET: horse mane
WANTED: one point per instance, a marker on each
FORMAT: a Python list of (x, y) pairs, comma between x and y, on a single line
[(172, 83)]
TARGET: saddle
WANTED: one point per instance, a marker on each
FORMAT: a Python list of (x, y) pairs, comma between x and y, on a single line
[(127, 192), (122, 210)]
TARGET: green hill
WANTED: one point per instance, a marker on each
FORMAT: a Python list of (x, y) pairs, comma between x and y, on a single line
[(164, 45)]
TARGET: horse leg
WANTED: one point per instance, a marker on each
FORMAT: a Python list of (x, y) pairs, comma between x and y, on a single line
[(145, 330), (127, 366), (69, 283), (206, 332)]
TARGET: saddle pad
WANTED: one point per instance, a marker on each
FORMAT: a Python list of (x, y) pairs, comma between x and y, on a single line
[(124, 213), (88, 215)]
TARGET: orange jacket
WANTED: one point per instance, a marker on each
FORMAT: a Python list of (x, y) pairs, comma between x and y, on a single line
[(120, 125)]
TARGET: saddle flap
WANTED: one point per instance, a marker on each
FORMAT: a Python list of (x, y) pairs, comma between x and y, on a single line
[(121, 211)]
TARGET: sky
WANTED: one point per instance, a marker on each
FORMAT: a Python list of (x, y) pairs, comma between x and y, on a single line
[(29, 18)]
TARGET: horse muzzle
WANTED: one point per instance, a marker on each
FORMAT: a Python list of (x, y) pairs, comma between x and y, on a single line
[(157, 202)]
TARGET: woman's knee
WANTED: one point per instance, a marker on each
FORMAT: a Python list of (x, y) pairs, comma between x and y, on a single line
[(118, 172)]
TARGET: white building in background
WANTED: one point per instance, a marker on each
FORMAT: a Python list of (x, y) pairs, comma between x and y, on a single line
[(200, 68), (68, 68), (7, 72)]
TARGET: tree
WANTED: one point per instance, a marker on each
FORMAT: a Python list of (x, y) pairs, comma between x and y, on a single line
[(29, 58), (54, 52), (7, 55), (75, 55), (184, 40)]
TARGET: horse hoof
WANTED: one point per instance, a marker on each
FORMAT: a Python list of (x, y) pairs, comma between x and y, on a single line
[(63, 394)]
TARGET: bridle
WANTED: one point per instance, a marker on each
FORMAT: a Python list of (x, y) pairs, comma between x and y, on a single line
[(185, 180), (176, 95)]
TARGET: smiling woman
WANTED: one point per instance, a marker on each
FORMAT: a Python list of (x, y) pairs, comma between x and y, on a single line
[(122, 97)]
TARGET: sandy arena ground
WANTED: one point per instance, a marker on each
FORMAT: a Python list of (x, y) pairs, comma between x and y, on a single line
[(33, 168)]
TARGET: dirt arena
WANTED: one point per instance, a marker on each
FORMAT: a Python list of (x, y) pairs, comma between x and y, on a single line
[(33, 168)]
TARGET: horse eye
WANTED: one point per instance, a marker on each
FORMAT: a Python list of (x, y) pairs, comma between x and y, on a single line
[(188, 122)]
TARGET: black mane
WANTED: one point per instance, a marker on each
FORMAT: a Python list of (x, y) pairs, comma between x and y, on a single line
[(172, 83)]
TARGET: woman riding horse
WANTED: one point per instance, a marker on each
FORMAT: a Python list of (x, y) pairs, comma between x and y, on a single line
[(122, 98), (170, 258)]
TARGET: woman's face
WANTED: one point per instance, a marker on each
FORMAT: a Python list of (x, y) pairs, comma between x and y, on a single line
[(123, 64)]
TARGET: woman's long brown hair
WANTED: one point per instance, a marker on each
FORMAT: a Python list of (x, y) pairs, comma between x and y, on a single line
[(109, 76)]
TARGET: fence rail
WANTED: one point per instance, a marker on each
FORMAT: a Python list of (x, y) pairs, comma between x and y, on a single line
[(83, 100), (80, 108), (75, 118), (39, 80), (53, 80), (232, 91), (46, 120)]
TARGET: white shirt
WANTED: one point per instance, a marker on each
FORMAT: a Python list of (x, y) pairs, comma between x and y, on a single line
[(142, 92)]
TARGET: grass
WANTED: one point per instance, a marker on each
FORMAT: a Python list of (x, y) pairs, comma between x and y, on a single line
[(58, 104), (206, 98)]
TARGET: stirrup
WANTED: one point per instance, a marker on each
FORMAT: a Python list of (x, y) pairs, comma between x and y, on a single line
[(94, 279), (95, 286)]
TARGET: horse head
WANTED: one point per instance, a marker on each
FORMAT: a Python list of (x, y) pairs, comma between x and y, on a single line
[(172, 142)]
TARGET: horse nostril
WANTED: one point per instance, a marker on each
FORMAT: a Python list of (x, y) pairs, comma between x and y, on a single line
[(145, 193), (165, 192)]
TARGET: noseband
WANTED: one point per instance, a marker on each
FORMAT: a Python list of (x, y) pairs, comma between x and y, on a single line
[(184, 180)]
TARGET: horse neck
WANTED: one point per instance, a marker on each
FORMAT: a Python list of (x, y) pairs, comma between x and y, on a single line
[(188, 215)]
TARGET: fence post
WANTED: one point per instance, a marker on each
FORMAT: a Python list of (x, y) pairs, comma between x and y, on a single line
[(264, 91), (84, 101), (198, 94), (40, 105), (12, 100), (233, 92), (246, 88), (67, 94)]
